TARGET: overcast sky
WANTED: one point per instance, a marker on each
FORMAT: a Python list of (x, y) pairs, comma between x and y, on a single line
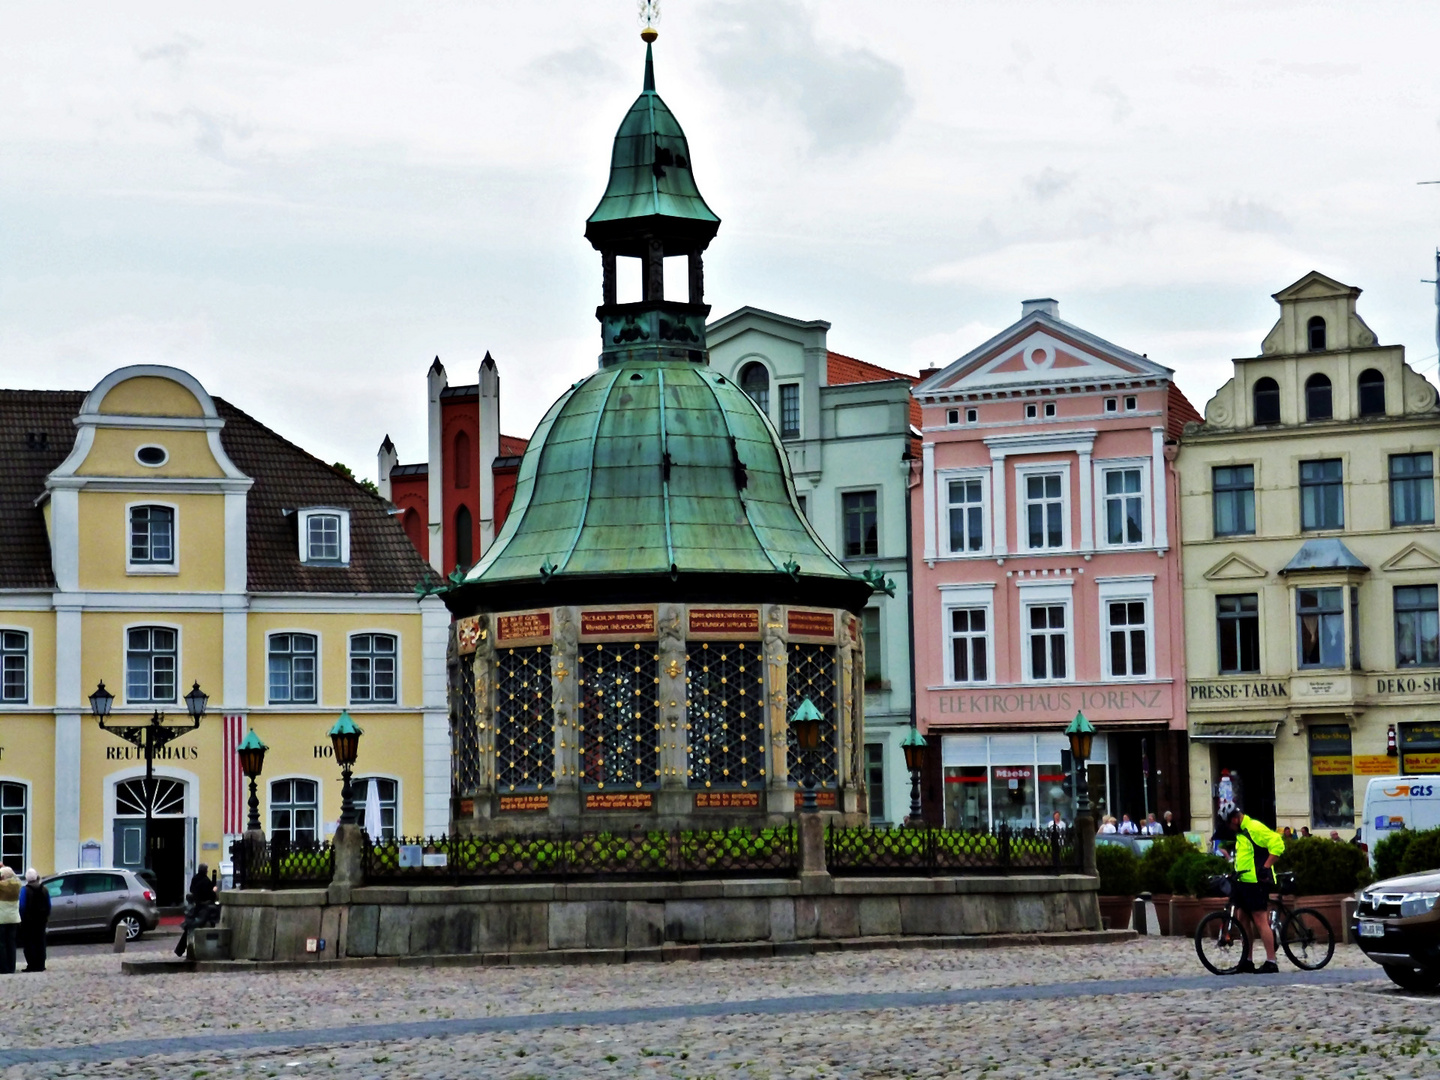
[(304, 203)]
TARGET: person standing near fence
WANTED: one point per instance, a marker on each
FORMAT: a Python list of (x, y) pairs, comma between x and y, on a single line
[(34, 920), (9, 919)]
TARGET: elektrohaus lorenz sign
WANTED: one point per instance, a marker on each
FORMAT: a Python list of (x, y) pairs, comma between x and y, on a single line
[(1051, 705)]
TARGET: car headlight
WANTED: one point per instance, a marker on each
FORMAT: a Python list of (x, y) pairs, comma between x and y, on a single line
[(1417, 903)]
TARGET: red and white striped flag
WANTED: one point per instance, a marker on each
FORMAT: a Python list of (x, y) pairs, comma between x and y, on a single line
[(234, 785)]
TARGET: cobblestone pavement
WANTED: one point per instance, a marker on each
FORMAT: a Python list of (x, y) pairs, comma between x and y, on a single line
[(1347, 1022)]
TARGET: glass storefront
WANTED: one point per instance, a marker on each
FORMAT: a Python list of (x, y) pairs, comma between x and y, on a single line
[(1332, 781), (1420, 748), (1017, 780)]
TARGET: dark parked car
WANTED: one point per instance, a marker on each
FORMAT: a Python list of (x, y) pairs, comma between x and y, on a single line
[(89, 901), (1397, 923)]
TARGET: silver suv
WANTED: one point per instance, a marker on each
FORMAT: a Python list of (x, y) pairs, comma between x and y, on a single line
[(85, 901)]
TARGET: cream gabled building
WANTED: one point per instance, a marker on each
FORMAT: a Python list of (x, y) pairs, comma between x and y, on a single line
[(156, 537), (1311, 563)]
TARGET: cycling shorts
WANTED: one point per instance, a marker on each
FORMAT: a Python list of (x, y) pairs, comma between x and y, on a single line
[(1251, 896)]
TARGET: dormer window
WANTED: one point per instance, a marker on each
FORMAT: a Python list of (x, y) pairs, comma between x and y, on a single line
[(1315, 331), (152, 540), (324, 537)]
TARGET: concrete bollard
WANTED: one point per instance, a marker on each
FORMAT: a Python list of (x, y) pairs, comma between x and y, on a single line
[(120, 938)]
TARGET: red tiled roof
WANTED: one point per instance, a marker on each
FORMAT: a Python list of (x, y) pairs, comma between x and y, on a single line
[(840, 369), (1178, 413), (512, 445)]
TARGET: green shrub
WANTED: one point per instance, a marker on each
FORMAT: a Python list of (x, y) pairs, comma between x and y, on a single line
[(1119, 870), (1322, 866), (1192, 871), (1156, 863), (1390, 853), (1423, 853)]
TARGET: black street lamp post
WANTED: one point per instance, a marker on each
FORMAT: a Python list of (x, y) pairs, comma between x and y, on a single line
[(805, 722), (148, 737), (252, 759), (914, 747), (345, 738), (1082, 735)]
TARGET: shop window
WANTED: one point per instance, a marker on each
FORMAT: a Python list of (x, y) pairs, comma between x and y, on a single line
[(862, 532), (372, 669), (1128, 638), (14, 825), (1238, 625), (965, 501), (387, 791), (1320, 614), (1044, 511), (1332, 783), (1049, 642), (875, 780), (724, 714), (1412, 489), (789, 410), (1019, 780), (1371, 385), (1012, 796), (619, 715), (15, 658), (1419, 747), (294, 810), (1124, 506), (870, 629), (755, 381), (969, 646), (1266, 397), (1317, 398), (1315, 334), (524, 720), (152, 536), (292, 669), (1417, 626), (1234, 488), (1322, 503), (151, 658)]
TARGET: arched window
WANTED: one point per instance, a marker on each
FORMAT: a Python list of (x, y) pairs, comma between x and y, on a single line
[(14, 825), (755, 381), (1372, 393), (1317, 398), (415, 529), (1267, 401), (1316, 330), (464, 536), (386, 790), (462, 460)]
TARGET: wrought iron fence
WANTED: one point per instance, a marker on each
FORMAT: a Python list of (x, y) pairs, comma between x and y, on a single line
[(865, 850), (283, 864), (641, 853)]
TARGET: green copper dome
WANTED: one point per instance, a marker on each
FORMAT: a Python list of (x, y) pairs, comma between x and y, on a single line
[(665, 471), (650, 175)]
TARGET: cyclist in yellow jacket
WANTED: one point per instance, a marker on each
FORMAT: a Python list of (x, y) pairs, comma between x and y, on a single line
[(1256, 882)]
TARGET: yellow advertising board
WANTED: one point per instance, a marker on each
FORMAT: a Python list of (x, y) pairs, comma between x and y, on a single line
[(1422, 763), (1330, 765), (1376, 765)]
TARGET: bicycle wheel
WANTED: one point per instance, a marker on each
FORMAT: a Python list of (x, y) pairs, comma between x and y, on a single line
[(1307, 939), (1221, 942)]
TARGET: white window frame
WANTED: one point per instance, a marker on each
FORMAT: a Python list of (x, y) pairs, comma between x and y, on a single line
[(799, 410), (1022, 504), (1050, 409), (29, 814), (152, 569), (29, 666), (383, 706), (399, 798), (319, 666), (1132, 403), (1128, 588), (1147, 502), (303, 528), (952, 417), (1112, 405), (1032, 410), (972, 416), (1047, 594), (981, 596), (321, 831), (942, 492), (151, 624)]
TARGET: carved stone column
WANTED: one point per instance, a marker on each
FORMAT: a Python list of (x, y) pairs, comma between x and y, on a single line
[(674, 798), (847, 740), (564, 699), (484, 671), (779, 798)]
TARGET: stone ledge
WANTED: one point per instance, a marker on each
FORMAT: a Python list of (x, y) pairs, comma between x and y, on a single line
[(275, 897)]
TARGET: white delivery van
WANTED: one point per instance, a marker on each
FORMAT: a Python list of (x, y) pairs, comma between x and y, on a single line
[(1399, 802)]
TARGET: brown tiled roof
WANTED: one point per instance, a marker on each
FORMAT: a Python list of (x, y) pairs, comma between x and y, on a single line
[(36, 434), (24, 545), (1178, 413), (840, 369), (512, 445), (382, 558)]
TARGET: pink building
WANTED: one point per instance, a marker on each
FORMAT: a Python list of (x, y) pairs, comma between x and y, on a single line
[(1047, 577)]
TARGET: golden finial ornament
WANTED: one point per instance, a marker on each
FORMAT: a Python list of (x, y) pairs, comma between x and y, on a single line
[(649, 16)]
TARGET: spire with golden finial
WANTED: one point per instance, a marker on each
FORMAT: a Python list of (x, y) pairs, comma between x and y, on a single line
[(649, 16)]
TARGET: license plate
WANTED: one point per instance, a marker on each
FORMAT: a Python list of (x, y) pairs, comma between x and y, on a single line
[(1372, 928)]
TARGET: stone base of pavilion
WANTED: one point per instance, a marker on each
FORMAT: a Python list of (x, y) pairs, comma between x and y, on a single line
[(611, 922)]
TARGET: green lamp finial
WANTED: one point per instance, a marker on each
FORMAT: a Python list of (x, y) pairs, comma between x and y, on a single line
[(251, 742), (806, 710), (1080, 726), (345, 726)]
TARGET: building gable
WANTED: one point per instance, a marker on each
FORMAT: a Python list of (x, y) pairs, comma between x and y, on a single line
[(1235, 567), (1414, 556)]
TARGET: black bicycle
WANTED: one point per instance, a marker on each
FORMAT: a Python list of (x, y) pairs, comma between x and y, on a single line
[(1222, 941)]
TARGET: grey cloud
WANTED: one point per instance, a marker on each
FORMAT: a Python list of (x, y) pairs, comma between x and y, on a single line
[(846, 98), (1249, 216), (582, 65), (1050, 182), (1120, 101), (211, 132), (173, 52)]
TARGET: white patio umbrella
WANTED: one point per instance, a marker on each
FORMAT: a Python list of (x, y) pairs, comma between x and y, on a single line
[(372, 810)]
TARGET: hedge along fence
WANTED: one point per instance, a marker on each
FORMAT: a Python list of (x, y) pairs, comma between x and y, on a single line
[(864, 850), (1407, 852)]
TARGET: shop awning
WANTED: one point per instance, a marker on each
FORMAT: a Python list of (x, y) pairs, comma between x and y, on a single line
[(1235, 731)]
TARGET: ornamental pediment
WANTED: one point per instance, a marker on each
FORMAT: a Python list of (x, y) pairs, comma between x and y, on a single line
[(1412, 556), (1235, 567)]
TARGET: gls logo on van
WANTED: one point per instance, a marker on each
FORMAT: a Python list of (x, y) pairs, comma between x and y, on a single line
[(1414, 791)]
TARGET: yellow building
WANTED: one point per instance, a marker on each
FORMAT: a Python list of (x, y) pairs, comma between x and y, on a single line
[(1311, 561), (156, 538)]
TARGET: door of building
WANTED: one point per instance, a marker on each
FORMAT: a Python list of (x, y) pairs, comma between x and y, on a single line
[(166, 841), (1250, 767)]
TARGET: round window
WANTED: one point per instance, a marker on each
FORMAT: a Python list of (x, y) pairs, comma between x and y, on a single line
[(152, 455)]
